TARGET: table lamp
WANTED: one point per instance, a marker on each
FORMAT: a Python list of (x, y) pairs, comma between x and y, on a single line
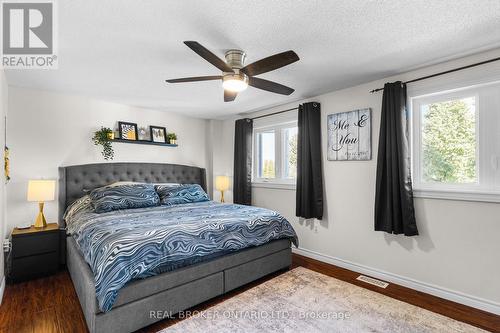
[(222, 184), (41, 191)]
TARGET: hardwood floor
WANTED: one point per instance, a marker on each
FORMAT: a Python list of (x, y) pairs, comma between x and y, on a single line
[(51, 305)]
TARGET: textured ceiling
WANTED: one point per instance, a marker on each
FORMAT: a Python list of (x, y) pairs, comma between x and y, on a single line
[(123, 50)]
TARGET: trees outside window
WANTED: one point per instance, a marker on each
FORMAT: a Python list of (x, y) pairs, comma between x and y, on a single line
[(449, 141), (456, 143)]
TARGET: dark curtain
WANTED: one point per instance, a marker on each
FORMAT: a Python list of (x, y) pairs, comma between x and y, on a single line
[(309, 196), (394, 211), (242, 184)]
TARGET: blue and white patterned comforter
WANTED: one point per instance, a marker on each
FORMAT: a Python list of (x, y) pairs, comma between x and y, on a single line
[(129, 244)]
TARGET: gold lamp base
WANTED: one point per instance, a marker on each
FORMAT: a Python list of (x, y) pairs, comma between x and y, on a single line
[(40, 221), (221, 196)]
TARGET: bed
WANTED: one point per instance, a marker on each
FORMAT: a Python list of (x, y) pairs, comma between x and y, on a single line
[(139, 301)]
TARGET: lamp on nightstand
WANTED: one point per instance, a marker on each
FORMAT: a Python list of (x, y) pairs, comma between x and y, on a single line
[(222, 184), (41, 191)]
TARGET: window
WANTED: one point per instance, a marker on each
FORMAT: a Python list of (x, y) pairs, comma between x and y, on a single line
[(267, 154), (449, 144), (275, 152), (456, 144)]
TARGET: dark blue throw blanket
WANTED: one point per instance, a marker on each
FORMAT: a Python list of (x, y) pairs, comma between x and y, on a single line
[(124, 245)]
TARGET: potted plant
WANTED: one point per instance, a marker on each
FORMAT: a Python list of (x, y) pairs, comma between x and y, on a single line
[(103, 137), (172, 138)]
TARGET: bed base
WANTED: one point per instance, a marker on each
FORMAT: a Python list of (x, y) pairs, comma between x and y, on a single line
[(143, 302)]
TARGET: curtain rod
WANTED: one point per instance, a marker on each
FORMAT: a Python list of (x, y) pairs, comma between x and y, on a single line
[(272, 114), (445, 72)]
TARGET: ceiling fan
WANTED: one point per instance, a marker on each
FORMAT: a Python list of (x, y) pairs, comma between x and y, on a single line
[(236, 77)]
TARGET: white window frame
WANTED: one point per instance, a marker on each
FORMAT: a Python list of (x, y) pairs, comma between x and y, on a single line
[(487, 187), (279, 182)]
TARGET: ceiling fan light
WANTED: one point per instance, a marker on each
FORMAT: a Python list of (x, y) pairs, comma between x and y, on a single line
[(235, 82)]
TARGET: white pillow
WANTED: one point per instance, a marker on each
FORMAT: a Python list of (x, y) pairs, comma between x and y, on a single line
[(132, 183), (124, 182)]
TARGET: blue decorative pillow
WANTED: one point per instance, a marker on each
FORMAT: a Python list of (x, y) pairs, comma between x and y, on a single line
[(181, 194), (109, 198)]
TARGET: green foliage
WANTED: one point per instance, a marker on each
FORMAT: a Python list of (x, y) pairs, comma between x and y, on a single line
[(449, 143), (268, 171), (171, 136), (102, 137), (292, 157)]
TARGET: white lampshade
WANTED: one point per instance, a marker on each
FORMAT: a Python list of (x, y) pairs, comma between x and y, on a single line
[(222, 183), (41, 190)]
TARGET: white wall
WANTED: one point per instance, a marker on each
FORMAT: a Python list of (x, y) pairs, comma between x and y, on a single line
[(3, 113), (223, 152), (456, 255), (47, 130)]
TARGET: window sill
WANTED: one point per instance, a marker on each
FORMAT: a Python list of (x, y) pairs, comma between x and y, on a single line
[(482, 196), (278, 186)]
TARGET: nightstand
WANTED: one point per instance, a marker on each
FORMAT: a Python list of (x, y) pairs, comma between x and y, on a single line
[(35, 252)]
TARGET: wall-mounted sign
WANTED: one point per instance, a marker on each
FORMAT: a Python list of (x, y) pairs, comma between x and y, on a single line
[(350, 136)]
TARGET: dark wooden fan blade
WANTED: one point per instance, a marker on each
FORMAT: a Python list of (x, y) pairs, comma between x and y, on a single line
[(208, 56), (195, 79), (270, 86), (229, 96), (270, 63)]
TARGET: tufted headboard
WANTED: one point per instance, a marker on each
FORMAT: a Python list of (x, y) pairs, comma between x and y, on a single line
[(77, 180)]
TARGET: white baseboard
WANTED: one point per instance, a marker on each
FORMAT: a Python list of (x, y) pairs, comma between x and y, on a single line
[(2, 289), (455, 296)]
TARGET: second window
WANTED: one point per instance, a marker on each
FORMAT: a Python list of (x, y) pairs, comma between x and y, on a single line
[(275, 153)]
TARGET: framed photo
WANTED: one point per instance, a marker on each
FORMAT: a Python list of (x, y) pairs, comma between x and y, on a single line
[(143, 134), (158, 134), (127, 131)]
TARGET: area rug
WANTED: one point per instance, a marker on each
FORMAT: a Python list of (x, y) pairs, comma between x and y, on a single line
[(302, 300)]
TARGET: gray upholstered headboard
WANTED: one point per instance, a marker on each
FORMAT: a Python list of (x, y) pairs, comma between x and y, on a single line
[(75, 181)]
